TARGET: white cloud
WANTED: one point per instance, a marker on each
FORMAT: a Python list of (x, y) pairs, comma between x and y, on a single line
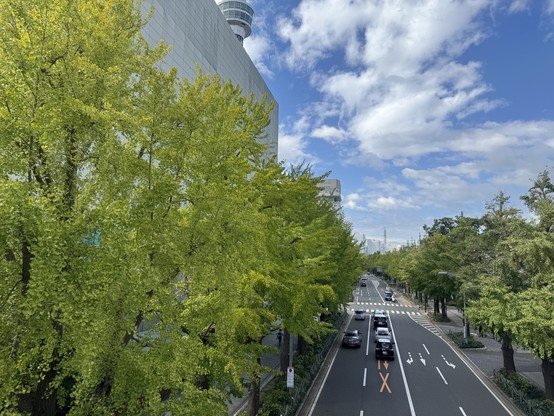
[(352, 201), (388, 202), (392, 79), (257, 48), (293, 144), (330, 134), (517, 6), (316, 27), (292, 149), (395, 34)]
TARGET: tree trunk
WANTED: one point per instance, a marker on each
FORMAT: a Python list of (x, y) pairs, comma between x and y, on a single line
[(507, 352), (436, 308), (41, 401), (548, 375), (444, 309), (284, 357), (253, 405), (301, 347)]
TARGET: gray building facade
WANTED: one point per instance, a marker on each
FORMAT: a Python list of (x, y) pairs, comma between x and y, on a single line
[(199, 35), (330, 189)]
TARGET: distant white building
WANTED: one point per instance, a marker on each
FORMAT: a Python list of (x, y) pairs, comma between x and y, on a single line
[(199, 34)]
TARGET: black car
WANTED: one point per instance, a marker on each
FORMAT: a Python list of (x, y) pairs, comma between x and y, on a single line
[(384, 348), (352, 338)]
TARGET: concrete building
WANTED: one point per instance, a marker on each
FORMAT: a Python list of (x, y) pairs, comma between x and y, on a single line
[(331, 189), (201, 36)]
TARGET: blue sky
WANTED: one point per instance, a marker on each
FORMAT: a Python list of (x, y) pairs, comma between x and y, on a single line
[(423, 109)]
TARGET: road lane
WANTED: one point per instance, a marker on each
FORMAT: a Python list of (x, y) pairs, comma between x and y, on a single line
[(427, 378), (440, 382)]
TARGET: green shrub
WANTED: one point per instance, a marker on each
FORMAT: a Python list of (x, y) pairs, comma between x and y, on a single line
[(523, 392), (461, 342)]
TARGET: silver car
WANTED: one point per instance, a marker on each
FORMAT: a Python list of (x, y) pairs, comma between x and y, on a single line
[(382, 332), (359, 315), (352, 338)]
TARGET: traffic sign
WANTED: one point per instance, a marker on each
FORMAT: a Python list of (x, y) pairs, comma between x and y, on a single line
[(290, 377)]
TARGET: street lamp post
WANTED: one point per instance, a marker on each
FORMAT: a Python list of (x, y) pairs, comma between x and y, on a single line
[(464, 320)]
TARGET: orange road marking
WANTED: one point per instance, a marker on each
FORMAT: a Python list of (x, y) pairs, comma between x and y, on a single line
[(384, 383)]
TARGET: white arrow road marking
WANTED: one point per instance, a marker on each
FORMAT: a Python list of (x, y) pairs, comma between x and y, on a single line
[(447, 363), (410, 360), (422, 359)]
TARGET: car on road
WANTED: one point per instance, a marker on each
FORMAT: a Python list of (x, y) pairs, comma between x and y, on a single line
[(352, 338), (379, 318), (384, 348), (359, 315), (389, 294), (382, 332), (363, 282)]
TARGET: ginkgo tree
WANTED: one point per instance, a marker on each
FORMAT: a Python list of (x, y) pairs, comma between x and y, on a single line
[(67, 83), (138, 261)]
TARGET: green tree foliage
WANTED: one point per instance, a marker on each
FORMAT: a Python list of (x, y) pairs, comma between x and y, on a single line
[(515, 277), (67, 93), (488, 260), (534, 327), (139, 258), (540, 200)]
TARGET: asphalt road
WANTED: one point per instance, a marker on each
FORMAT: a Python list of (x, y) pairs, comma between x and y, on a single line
[(427, 377)]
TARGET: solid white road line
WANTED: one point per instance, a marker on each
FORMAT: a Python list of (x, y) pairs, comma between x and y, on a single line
[(462, 410), (406, 387), (365, 375), (368, 332), (428, 353), (465, 361), (443, 379)]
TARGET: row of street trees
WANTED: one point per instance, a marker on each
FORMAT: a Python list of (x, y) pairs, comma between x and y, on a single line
[(147, 244), (500, 263)]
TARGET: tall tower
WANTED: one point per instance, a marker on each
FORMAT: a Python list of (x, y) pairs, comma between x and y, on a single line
[(239, 15)]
